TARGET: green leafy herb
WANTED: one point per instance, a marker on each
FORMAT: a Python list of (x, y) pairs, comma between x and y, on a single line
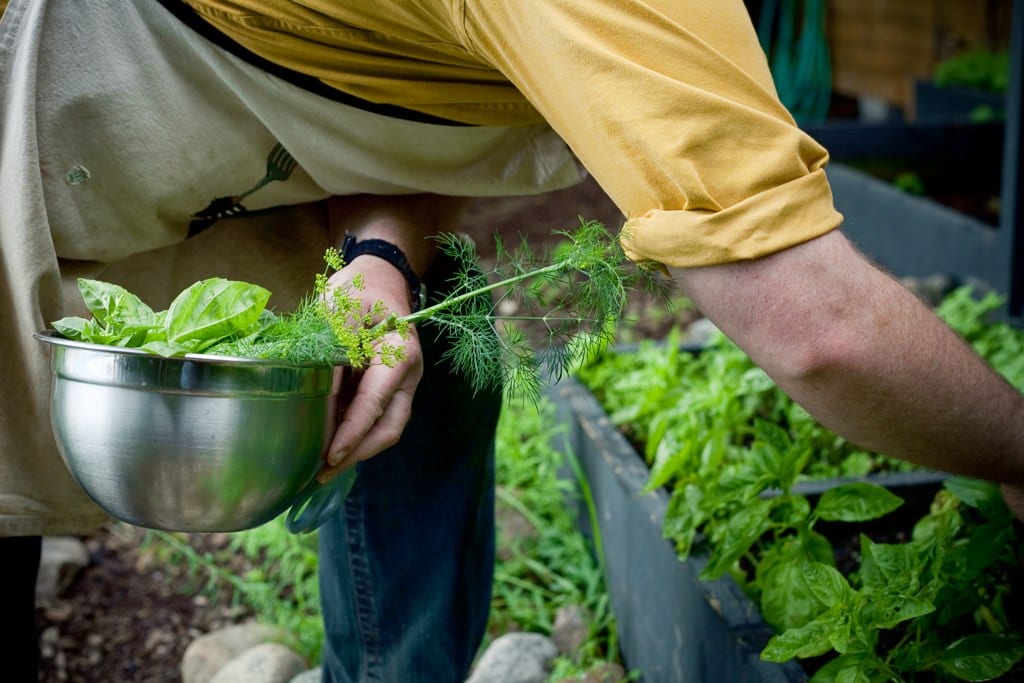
[(214, 309), (577, 292), (119, 317), (944, 604), (980, 69)]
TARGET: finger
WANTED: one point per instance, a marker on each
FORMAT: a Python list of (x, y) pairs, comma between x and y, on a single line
[(378, 388), (329, 472), (386, 432)]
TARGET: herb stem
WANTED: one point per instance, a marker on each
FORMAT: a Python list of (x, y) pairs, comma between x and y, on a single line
[(448, 303)]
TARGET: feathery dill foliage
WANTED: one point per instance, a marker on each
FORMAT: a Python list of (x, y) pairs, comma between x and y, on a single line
[(360, 331), (329, 327), (574, 294), (301, 336), (570, 297)]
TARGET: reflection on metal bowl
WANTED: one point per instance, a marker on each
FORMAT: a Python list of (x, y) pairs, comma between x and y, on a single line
[(194, 443)]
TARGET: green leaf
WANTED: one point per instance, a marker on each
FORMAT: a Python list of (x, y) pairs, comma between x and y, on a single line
[(841, 636), (972, 492), (885, 610), (786, 599), (742, 531), (94, 333), (848, 668), (981, 495), (683, 516), (827, 584), (818, 547), (857, 464), (115, 308), (669, 457), (72, 328), (810, 640), (939, 527), (888, 564), (981, 657), (792, 510), (213, 309), (987, 543), (856, 502), (169, 349)]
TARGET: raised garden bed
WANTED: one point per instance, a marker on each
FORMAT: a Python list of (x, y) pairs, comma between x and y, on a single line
[(922, 198), (779, 523), (673, 626), (946, 103), (956, 165)]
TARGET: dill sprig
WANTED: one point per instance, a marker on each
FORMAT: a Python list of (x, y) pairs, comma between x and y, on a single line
[(571, 297)]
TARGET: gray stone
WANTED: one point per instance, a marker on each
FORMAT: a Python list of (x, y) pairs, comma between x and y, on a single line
[(601, 673), (207, 654), (515, 658), (701, 331), (569, 632), (62, 558), (513, 530), (311, 676), (931, 290), (266, 663)]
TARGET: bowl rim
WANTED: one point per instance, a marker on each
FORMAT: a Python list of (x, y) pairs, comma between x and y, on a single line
[(54, 338)]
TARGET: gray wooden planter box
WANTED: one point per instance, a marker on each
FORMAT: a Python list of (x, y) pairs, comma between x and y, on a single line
[(672, 626), (949, 103)]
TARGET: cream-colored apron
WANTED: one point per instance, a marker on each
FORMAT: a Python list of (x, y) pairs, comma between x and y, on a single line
[(122, 130)]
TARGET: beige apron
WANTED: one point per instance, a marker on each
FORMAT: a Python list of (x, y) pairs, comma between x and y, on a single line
[(120, 128)]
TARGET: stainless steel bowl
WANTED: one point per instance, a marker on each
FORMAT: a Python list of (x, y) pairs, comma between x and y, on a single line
[(196, 443)]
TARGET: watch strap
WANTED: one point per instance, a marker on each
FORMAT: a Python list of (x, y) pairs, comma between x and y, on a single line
[(352, 248)]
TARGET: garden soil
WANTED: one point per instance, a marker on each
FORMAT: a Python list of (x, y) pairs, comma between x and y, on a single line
[(128, 616)]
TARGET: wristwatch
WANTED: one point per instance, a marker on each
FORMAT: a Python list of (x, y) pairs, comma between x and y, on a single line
[(352, 248)]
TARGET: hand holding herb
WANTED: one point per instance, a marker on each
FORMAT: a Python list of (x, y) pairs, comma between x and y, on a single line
[(380, 403)]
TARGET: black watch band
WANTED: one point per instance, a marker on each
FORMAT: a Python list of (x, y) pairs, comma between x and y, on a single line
[(351, 248)]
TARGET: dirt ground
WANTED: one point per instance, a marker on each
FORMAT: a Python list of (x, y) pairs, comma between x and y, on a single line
[(128, 618)]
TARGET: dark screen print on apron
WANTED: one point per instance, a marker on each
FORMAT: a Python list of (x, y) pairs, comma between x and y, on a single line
[(280, 165)]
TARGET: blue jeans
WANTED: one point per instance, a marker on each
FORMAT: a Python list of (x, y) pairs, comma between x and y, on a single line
[(406, 565)]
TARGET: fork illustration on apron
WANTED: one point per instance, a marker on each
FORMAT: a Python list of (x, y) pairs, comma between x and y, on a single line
[(280, 164)]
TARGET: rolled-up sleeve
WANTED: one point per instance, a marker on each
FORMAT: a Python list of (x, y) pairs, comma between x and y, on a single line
[(671, 106)]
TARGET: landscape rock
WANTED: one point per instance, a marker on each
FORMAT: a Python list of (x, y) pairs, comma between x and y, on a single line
[(569, 632), (931, 289), (513, 529), (311, 676), (62, 558), (207, 654), (602, 673), (515, 658), (266, 663), (701, 331)]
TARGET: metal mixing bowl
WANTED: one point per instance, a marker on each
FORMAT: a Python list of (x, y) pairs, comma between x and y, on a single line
[(194, 443)]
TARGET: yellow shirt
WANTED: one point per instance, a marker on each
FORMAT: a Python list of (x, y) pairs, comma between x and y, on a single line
[(668, 103)]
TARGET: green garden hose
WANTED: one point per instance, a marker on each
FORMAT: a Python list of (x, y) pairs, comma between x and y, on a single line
[(800, 63)]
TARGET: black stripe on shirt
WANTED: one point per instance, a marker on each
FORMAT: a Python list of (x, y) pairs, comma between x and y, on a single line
[(190, 18)]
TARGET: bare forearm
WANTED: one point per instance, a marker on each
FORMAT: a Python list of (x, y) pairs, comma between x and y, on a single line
[(866, 358)]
